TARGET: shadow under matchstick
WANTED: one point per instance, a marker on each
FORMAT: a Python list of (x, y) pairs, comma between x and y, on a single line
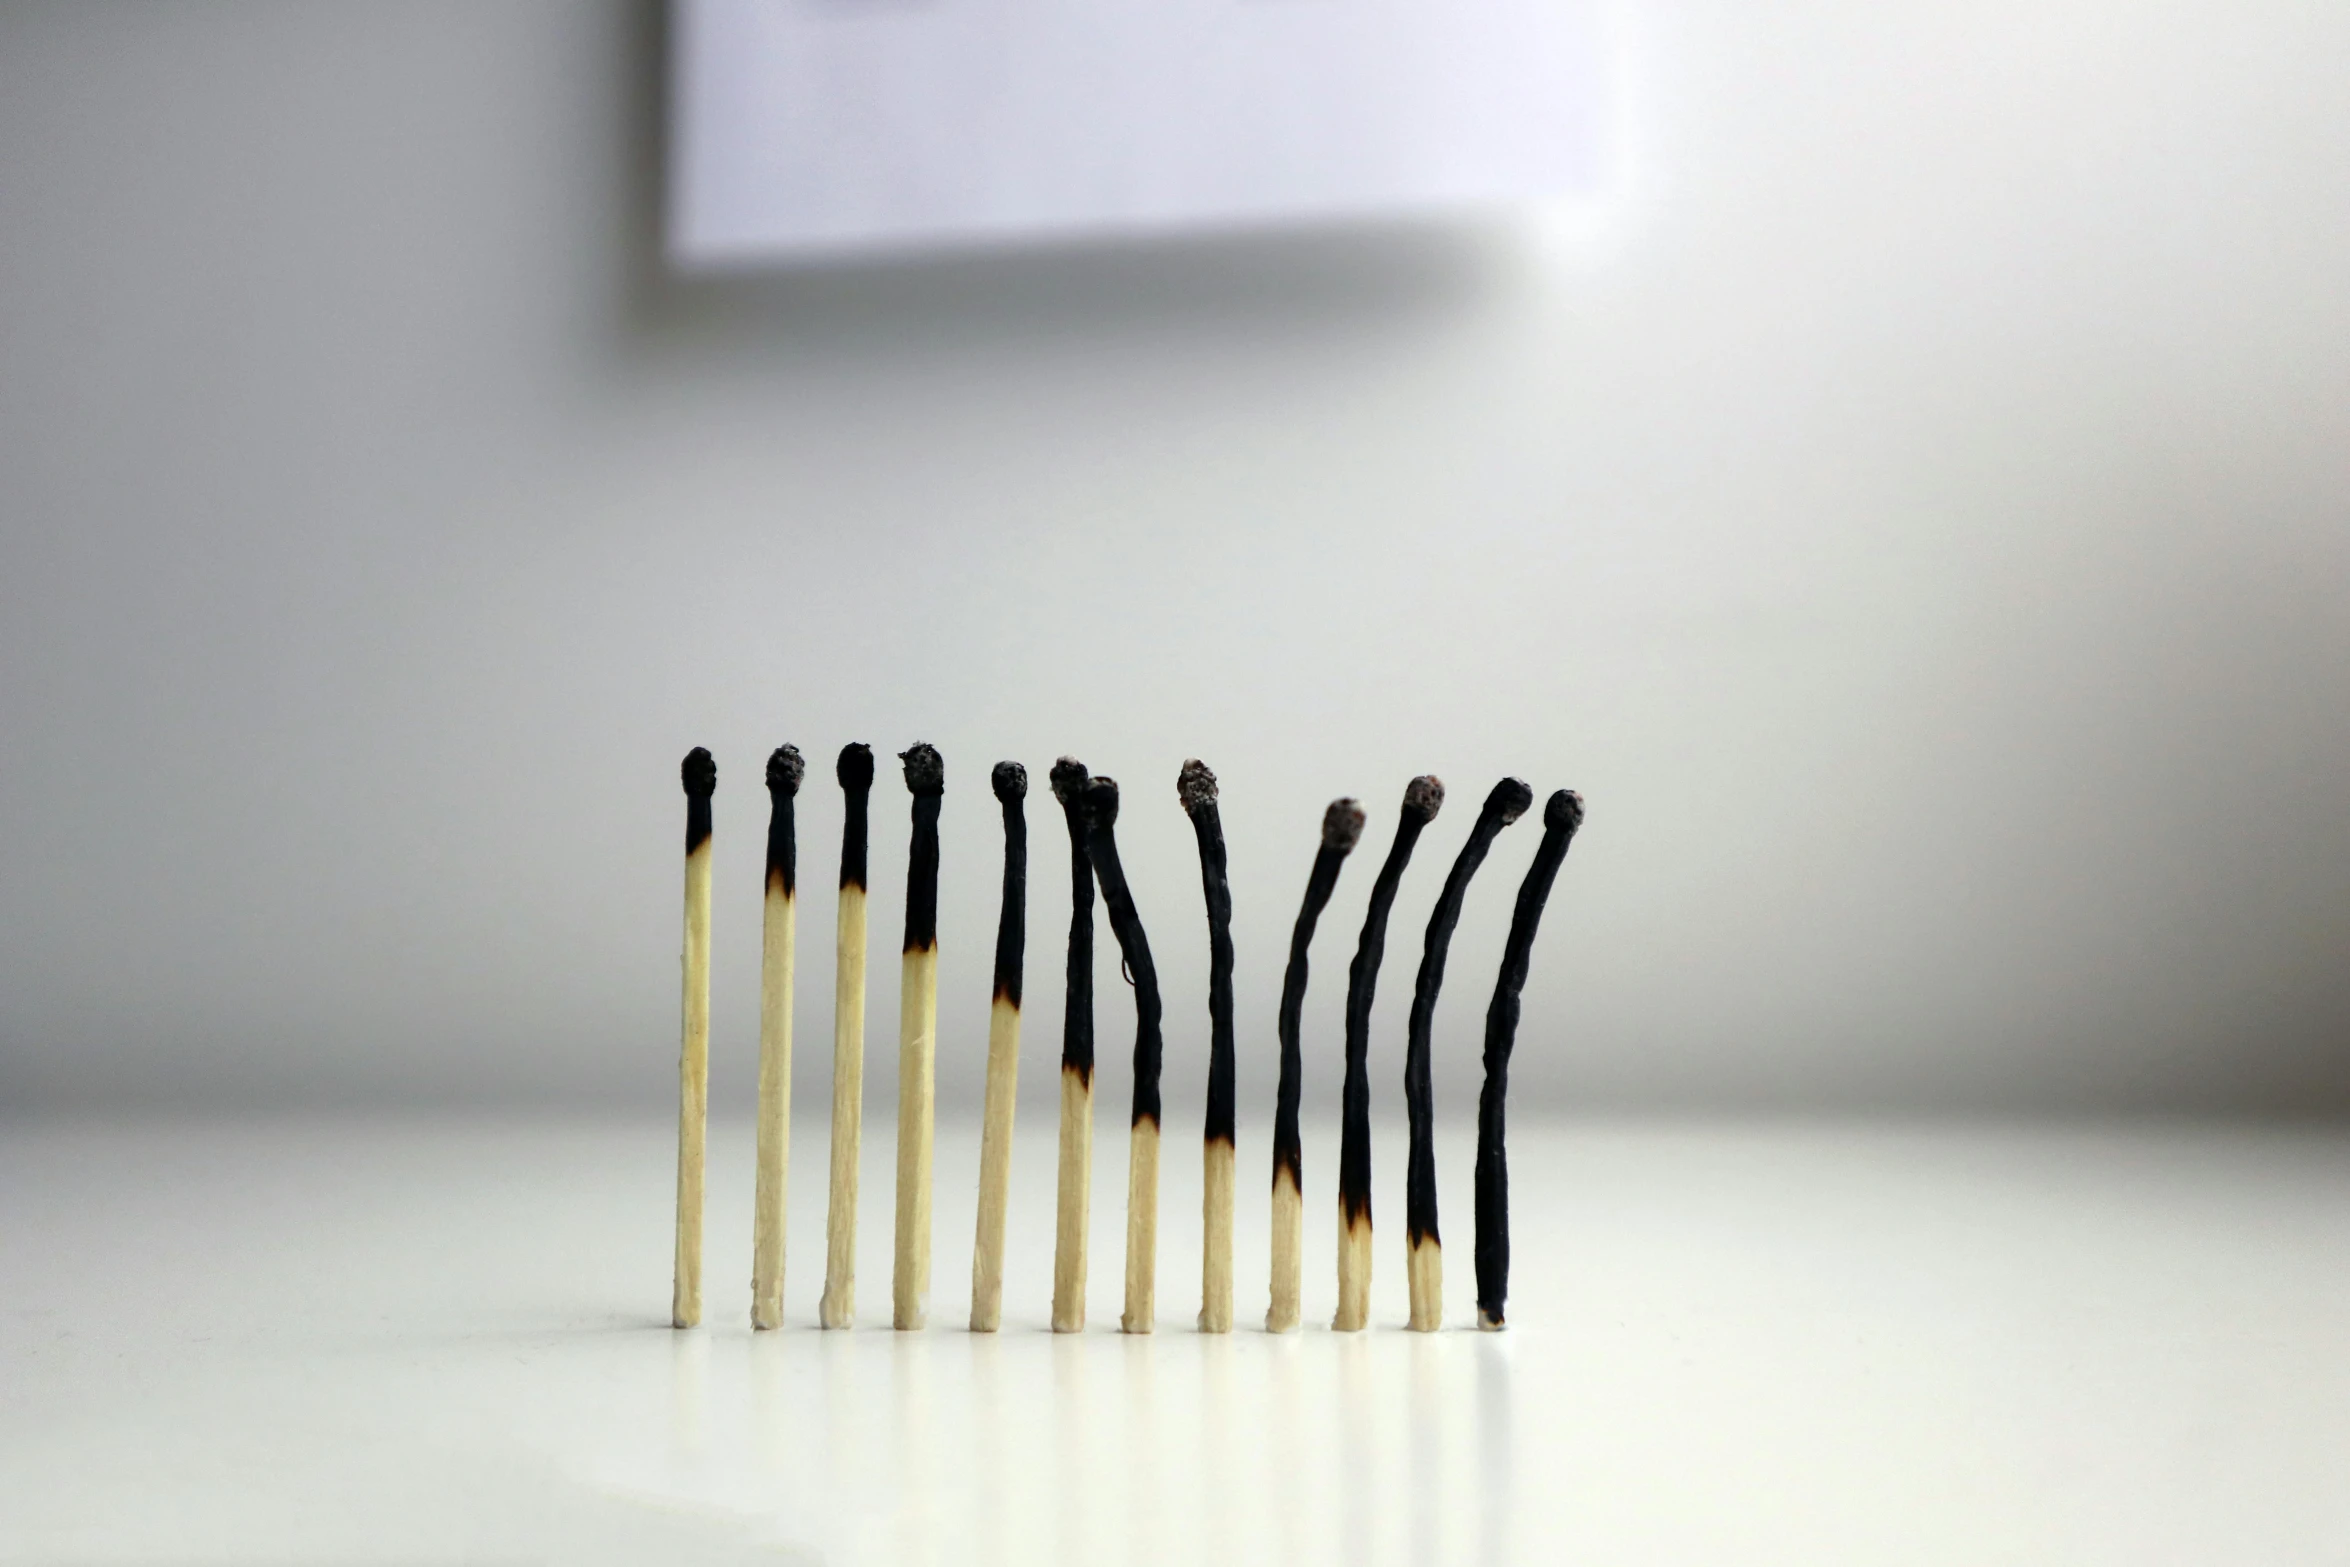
[(699, 773), (1010, 781), (1142, 1167), (1562, 816), (1074, 1197), (1195, 787), (785, 767), (838, 1309), (926, 781)]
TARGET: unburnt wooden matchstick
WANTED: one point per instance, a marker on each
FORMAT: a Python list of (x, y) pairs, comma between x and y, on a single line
[(1561, 816), (926, 780), (1076, 1148), (1424, 1257), (700, 775), (838, 1309), (1423, 797), (784, 771), (1003, 1055), (1195, 787), (1342, 825), (1142, 1161)]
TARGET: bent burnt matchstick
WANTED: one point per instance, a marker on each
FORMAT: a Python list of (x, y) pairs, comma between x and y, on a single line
[(1076, 1148), (838, 1309), (700, 776), (1424, 1257), (909, 1290), (1142, 1164), (1423, 797), (1561, 817), (1195, 787), (785, 767), (1010, 781), (1342, 826)]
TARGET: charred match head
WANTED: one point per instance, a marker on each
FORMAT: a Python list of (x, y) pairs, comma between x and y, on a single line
[(1010, 781), (1423, 797), (1068, 780), (1101, 802), (699, 773), (785, 768), (926, 771), (1509, 800), (1195, 786), (1563, 812), (855, 767), (855, 772), (1342, 826)]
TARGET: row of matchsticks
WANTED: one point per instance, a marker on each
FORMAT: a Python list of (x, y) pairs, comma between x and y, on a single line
[(1091, 807)]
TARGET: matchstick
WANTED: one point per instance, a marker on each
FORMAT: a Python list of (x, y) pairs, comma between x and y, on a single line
[(1195, 787), (1423, 797), (909, 1285), (1003, 1055), (1076, 1154), (785, 768), (838, 1309), (1342, 826), (1424, 1256), (700, 775), (1142, 1161), (1561, 817)]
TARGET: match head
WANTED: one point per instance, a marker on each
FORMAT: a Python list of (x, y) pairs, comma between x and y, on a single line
[(926, 770), (1564, 812), (785, 768), (1068, 780), (1101, 800), (1509, 799), (1010, 780), (1424, 797), (1195, 786), (1342, 826), (700, 772), (855, 767)]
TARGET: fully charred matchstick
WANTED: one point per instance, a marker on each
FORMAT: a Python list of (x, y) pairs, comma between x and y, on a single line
[(1076, 1156), (1195, 787), (1424, 1257), (1142, 1161), (926, 780), (700, 775), (1562, 815), (838, 1309), (1003, 1055), (1342, 826), (784, 771), (1423, 797)]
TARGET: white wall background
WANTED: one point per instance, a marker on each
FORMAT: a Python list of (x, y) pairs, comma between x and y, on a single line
[(1913, 509)]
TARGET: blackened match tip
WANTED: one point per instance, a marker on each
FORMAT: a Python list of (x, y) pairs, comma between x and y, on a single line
[(1564, 812), (785, 768), (1509, 799), (855, 768), (1342, 826), (1010, 780), (1195, 786), (700, 772), (1101, 800), (1068, 780), (1424, 797), (926, 770)]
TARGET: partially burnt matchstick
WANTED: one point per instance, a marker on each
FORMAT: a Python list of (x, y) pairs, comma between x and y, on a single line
[(700, 775), (1424, 1257), (1195, 787), (785, 768), (1076, 1150), (1003, 1055), (1342, 827), (1423, 797), (926, 780), (838, 1309), (1142, 1165), (1562, 815)]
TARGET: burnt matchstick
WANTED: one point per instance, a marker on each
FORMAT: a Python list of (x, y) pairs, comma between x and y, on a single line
[(785, 768), (926, 780), (838, 1309), (1342, 827), (1003, 1055), (1423, 797), (1142, 1163), (1195, 787), (1562, 816), (1076, 1152), (1424, 1256), (700, 775)]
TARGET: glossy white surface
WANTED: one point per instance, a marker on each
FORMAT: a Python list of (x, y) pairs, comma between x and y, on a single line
[(434, 1342)]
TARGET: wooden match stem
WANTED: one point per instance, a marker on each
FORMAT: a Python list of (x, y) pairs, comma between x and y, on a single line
[(1424, 1258), (1003, 1057), (1142, 1165), (777, 935), (1342, 825), (838, 1309), (1075, 1173), (1195, 787), (693, 1058), (1562, 815), (917, 1047)]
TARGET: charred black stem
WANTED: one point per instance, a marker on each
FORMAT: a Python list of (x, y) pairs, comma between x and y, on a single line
[(1068, 780), (1423, 797), (1011, 932), (926, 782), (855, 772), (1101, 845), (1561, 817), (1342, 828), (1196, 788), (785, 768)]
